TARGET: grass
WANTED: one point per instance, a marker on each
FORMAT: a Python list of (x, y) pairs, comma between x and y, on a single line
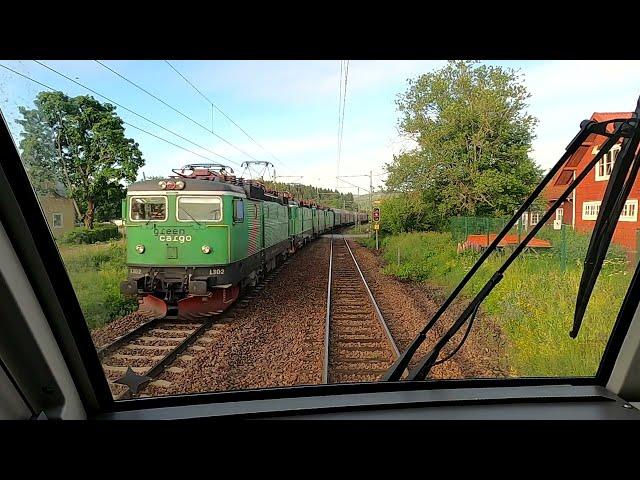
[(359, 229), (96, 272), (534, 303)]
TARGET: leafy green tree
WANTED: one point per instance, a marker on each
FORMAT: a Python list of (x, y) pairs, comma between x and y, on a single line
[(322, 196), (473, 138), (80, 142), (405, 213)]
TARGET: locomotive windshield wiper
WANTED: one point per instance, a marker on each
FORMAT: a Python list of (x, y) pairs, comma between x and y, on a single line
[(190, 216), (625, 129), (623, 176)]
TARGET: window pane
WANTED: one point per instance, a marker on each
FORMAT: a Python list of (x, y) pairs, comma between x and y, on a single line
[(148, 208), (199, 208), (238, 210)]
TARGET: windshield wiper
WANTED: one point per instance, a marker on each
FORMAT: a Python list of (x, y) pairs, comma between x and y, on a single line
[(622, 178), (587, 127), (190, 216)]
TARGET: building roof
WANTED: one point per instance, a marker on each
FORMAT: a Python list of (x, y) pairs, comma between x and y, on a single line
[(575, 163)]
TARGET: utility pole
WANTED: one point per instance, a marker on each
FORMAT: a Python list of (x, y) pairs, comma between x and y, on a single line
[(370, 189)]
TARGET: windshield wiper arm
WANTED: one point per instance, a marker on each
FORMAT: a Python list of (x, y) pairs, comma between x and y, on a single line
[(622, 178), (190, 216), (587, 127)]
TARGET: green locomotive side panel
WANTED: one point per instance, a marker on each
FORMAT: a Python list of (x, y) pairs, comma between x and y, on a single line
[(254, 233), (239, 229), (295, 220), (307, 220), (314, 217), (276, 223)]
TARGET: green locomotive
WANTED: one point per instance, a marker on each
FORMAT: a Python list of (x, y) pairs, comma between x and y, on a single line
[(196, 239)]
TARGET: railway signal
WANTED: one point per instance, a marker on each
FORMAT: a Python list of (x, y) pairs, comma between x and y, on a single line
[(376, 222)]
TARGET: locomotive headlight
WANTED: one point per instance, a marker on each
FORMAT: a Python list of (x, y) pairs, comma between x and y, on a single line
[(179, 185), (206, 249), (162, 184), (140, 248)]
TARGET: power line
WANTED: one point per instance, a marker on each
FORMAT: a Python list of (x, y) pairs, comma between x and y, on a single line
[(344, 103), (223, 113), (126, 123), (131, 111), (343, 99), (339, 117), (176, 110), (168, 141)]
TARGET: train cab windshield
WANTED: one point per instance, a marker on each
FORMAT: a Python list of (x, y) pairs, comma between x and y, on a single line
[(463, 254), (207, 209), (148, 208)]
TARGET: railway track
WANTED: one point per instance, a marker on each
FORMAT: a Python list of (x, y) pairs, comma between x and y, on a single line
[(358, 346), (135, 359)]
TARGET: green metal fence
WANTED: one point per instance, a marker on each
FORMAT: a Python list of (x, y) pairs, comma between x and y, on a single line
[(462, 227), (567, 245)]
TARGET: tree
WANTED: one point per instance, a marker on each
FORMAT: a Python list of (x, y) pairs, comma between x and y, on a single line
[(322, 196), (81, 142), (473, 140)]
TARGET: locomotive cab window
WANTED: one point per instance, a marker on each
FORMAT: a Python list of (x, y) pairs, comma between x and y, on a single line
[(148, 208), (200, 209), (238, 210)]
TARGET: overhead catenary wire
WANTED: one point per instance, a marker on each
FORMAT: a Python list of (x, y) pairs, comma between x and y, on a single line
[(213, 105), (123, 121), (339, 117), (134, 112), (176, 110), (341, 108)]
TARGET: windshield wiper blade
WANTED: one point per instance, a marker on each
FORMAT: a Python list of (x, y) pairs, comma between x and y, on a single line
[(622, 178), (587, 127), (190, 216)]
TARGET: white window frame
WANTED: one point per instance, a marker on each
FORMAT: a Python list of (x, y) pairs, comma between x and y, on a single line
[(624, 215), (590, 210), (166, 208), (560, 214), (533, 215), (607, 160), (205, 197), (53, 220)]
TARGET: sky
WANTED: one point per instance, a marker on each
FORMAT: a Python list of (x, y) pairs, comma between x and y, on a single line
[(291, 109)]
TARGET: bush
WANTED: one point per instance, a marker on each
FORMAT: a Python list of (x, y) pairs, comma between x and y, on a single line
[(99, 233), (96, 272)]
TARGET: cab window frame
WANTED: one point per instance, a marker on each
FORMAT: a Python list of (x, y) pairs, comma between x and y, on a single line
[(45, 268), (218, 199), (166, 208), (234, 203)]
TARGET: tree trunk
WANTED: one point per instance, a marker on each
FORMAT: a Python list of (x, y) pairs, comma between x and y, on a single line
[(88, 216), (77, 209)]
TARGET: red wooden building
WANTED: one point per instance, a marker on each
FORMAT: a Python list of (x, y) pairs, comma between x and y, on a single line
[(581, 209)]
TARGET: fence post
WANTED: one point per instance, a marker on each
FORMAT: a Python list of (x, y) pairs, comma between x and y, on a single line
[(563, 248), (519, 229), (486, 224)]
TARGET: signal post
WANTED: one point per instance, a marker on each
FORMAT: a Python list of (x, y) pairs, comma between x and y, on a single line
[(376, 219)]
